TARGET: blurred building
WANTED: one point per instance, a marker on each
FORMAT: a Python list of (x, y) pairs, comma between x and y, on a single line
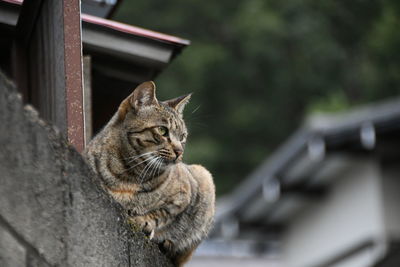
[(329, 196)]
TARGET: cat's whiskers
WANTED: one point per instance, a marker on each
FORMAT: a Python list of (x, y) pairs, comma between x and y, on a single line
[(132, 158), (165, 153), (143, 161), (137, 164), (151, 165), (147, 168), (155, 167), (159, 166), (150, 174)]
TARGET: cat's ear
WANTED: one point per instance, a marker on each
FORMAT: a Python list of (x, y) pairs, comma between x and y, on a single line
[(179, 103), (143, 95)]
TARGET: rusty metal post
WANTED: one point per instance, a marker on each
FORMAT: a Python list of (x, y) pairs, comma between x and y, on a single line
[(73, 73)]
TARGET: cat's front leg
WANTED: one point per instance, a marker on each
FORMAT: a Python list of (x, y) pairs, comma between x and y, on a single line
[(163, 216)]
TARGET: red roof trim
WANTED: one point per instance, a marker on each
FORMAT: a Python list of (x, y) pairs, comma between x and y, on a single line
[(18, 2), (118, 26), (134, 30)]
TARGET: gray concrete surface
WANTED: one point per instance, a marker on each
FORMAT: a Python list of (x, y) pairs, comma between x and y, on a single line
[(51, 211)]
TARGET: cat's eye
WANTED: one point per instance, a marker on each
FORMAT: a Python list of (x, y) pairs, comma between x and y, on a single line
[(163, 130)]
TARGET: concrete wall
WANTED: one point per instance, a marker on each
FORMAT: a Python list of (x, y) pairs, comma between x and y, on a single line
[(51, 213)]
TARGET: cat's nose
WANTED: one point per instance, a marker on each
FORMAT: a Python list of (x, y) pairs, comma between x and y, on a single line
[(178, 153)]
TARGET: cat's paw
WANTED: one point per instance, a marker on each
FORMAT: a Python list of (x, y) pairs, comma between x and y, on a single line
[(166, 246), (148, 230), (146, 226)]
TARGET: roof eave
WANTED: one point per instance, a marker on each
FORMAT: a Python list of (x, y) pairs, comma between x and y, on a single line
[(384, 117)]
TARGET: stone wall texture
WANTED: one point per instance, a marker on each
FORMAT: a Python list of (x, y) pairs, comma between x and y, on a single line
[(51, 211)]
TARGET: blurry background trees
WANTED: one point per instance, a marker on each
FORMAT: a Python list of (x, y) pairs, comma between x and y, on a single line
[(257, 67)]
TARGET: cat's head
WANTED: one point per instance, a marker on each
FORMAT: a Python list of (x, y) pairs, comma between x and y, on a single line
[(151, 128)]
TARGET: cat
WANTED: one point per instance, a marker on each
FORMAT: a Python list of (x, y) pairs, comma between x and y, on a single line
[(138, 159)]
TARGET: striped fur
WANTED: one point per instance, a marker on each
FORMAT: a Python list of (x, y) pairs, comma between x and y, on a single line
[(138, 159)]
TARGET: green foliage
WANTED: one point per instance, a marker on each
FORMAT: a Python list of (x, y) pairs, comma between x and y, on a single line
[(257, 67), (334, 102)]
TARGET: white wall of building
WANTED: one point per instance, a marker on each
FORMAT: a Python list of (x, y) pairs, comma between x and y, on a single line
[(351, 213)]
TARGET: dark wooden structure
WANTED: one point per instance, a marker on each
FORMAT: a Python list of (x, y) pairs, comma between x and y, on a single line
[(41, 48), (48, 62)]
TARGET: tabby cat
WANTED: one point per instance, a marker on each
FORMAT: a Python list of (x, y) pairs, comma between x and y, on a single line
[(138, 159)]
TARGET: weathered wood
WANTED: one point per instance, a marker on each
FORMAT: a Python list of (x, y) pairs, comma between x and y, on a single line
[(49, 56)]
